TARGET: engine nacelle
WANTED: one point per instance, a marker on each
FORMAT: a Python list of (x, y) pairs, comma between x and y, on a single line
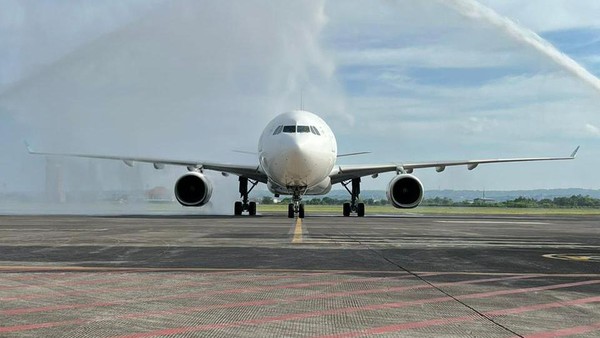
[(193, 190), (405, 191)]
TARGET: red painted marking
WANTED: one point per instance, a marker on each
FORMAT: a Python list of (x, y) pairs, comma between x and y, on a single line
[(19, 328), (536, 307), (50, 282), (148, 287), (35, 275), (495, 313), (319, 313), (566, 332), (50, 308), (104, 277), (134, 288), (114, 289), (99, 290), (259, 303), (19, 311), (203, 308), (374, 307), (415, 287)]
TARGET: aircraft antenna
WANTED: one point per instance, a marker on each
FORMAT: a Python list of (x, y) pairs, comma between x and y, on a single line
[(301, 103)]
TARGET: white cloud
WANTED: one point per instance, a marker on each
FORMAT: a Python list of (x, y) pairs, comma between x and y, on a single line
[(473, 9), (549, 15), (40, 33), (592, 129)]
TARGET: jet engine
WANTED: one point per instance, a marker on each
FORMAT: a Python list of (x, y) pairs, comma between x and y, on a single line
[(193, 190), (405, 191)]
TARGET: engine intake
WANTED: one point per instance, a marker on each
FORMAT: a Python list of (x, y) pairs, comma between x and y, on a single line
[(193, 190), (405, 191)]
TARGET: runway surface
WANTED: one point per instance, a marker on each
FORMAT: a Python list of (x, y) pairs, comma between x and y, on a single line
[(413, 276)]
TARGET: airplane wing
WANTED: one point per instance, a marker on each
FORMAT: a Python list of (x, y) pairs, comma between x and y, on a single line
[(249, 171), (342, 173)]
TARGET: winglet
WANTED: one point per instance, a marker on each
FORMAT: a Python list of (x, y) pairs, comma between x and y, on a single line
[(574, 153), (28, 146)]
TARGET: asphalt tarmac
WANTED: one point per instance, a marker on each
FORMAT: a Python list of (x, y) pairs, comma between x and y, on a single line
[(325, 276)]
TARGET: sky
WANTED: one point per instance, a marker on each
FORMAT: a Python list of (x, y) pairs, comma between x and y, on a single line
[(407, 80)]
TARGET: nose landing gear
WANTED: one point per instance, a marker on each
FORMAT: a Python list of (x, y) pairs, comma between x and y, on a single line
[(296, 207)]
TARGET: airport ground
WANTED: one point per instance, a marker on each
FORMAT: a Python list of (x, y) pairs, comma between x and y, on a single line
[(393, 275)]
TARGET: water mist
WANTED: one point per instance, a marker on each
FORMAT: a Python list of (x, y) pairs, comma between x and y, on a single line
[(475, 10)]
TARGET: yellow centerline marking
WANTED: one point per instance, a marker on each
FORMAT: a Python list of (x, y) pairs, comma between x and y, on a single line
[(298, 231)]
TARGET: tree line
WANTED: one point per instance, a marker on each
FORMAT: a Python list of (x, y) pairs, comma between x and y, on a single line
[(575, 201)]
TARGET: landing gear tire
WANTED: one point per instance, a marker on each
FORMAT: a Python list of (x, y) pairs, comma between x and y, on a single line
[(244, 204), (360, 210), (238, 208), (290, 210), (354, 191), (301, 211), (346, 209)]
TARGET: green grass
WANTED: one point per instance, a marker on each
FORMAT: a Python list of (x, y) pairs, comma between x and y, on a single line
[(337, 209)]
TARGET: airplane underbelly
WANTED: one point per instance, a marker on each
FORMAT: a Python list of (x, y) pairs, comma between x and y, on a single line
[(321, 188)]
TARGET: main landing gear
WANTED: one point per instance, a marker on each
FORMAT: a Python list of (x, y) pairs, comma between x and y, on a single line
[(358, 208), (244, 205), (296, 207)]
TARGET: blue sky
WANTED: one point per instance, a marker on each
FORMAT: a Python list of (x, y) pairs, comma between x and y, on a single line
[(409, 81)]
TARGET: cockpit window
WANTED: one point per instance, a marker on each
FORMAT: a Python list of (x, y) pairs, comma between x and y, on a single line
[(303, 129), (296, 129)]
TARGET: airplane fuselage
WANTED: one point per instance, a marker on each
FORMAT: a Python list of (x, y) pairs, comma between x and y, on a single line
[(297, 151)]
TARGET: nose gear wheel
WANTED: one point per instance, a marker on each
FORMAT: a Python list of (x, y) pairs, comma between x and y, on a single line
[(296, 207)]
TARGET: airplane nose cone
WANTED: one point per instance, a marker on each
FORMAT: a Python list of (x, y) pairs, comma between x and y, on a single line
[(298, 161)]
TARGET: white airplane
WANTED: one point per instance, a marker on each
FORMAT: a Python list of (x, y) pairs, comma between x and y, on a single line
[(297, 155)]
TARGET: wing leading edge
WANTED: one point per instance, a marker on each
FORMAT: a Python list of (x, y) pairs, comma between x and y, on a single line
[(342, 173), (249, 171)]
